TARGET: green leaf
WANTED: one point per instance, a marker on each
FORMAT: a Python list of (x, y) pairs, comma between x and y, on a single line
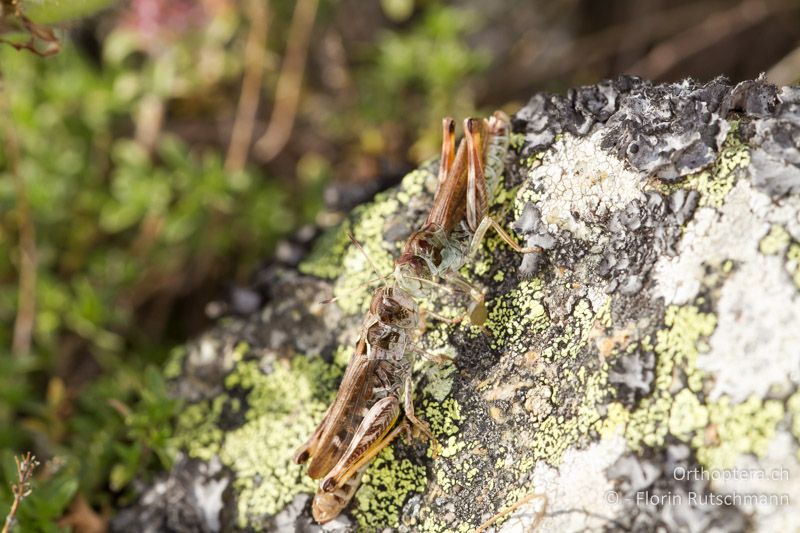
[(55, 11)]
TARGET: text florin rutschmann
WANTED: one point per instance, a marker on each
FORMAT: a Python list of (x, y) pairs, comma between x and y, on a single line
[(712, 499), (701, 474)]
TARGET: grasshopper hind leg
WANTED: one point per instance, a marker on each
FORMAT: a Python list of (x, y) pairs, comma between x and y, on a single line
[(309, 448), (369, 439)]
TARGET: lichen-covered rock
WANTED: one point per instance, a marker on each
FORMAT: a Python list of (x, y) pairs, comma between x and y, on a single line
[(641, 372)]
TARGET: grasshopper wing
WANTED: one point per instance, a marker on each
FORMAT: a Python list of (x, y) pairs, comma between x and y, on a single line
[(356, 394)]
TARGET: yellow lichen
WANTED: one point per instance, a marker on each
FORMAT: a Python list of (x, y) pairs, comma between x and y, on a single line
[(715, 183), (386, 485), (774, 242)]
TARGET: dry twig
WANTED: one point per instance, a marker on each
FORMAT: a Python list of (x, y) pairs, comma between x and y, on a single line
[(26, 465), (11, 14), (506, 512), (26, 299), (287, 93), (255, 58)]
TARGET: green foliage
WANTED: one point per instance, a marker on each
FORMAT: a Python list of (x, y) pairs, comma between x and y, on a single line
[(53, 11), (127, 223), (119, 229), (427, 68), (51, 494)]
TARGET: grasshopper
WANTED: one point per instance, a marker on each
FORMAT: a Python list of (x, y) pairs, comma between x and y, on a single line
[(358, 424), (463, 192)]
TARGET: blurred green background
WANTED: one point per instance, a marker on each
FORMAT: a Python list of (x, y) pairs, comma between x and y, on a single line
[(151, 166)]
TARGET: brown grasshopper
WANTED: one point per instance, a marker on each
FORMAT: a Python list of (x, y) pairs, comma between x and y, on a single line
[(463, 192), (358, 424)]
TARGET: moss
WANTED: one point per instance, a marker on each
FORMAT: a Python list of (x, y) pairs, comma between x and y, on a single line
[(715, 184), (385, 487)]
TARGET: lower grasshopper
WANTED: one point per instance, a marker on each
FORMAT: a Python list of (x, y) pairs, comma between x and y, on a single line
[(358, 424), (464, 189)]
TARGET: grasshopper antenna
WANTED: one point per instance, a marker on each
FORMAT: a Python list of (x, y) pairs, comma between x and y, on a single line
[(368, 258), (371, 264)]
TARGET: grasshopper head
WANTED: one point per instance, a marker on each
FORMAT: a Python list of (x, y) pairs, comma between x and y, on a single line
[(499, 124), (395, 307), (327, 506)]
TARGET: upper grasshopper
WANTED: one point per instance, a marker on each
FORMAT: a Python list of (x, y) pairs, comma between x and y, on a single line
[(460, 206)]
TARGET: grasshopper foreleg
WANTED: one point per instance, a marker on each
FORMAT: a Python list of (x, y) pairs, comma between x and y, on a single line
[(483, 227)]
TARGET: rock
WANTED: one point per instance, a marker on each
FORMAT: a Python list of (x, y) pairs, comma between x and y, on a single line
[(641, 372)]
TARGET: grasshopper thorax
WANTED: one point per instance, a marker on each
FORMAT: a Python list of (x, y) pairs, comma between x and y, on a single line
[(395, 307)]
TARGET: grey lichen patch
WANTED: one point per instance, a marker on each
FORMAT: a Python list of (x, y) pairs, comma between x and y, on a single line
[(745, 343), (577, 492), (581, 185), (780, 482), (669, 131), (707, 242), (661, 491), (776, 135), (644, 231)]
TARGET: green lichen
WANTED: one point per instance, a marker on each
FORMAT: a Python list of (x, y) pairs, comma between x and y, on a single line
[(774, 242), (515, 314), (354, 287), (677, 347), (284, 405), (719, 431), (793, 408), (558, 433), (516, 141), (687, 415), (715, 184), (737, 429), (197, 431), (325, 258), (335, 257), (793, 263), (283, 411), (385, 487), (568, 345)]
